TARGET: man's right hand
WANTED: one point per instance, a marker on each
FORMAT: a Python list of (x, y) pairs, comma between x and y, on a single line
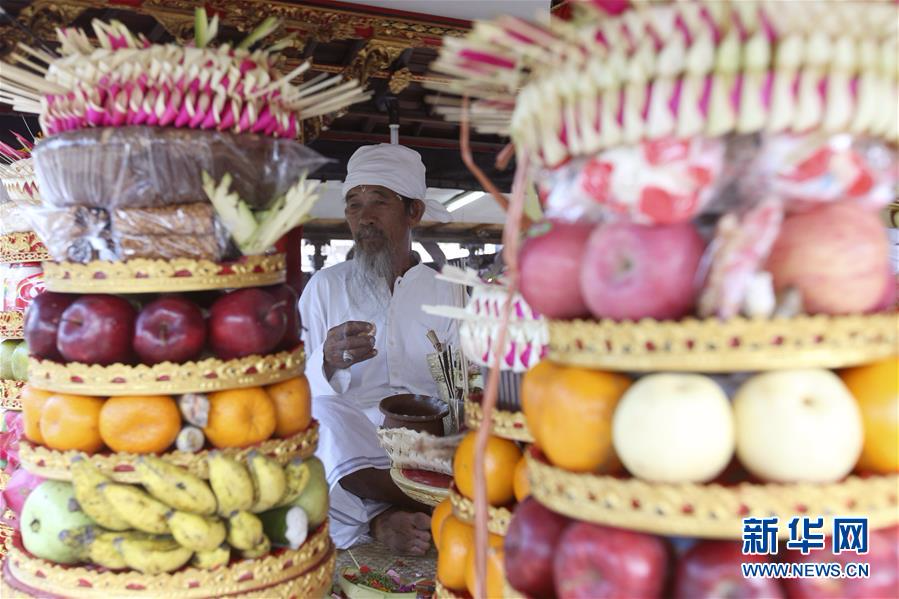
[(347, 344)]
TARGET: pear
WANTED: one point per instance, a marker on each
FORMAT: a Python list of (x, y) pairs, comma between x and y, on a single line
[(49, 510)]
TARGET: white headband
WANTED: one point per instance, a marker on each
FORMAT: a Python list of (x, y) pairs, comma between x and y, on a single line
[(397, 168)]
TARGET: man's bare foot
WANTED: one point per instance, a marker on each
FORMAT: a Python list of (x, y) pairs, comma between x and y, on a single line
[(408, 533)]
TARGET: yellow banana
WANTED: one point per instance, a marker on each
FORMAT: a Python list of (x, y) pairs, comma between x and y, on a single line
[(207, 560), (85, 479), (245, 530), (198, 533), (258, 551), (153, 555), (298, 474), (136, 507), (175, 486), (231, 483), (104, 552), (269, 481), (79, 538)]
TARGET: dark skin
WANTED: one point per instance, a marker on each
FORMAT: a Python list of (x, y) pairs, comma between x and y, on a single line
[(379, 217)]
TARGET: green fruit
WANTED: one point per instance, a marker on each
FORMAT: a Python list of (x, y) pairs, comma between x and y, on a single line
[(6, 350), (50, 509), (314, 499), (20, 362), (285, 526)]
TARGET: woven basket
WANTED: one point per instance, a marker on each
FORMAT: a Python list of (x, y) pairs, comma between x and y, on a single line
[(505, 424), (498, 518), (734, 345), (710, 510), (421, 493)]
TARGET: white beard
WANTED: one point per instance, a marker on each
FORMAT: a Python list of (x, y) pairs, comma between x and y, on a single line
[(372, 277)]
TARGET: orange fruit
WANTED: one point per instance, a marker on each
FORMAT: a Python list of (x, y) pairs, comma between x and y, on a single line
[(240, 417), (33, 400), (456, 541), (293, 406), (140, 424), (520, 483), (876, 388), (576, 434), (496, 577), (500, 459), (72, 422), (535, 385), (441, 512)]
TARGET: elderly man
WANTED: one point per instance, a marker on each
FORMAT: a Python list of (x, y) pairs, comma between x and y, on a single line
[(365, 335)]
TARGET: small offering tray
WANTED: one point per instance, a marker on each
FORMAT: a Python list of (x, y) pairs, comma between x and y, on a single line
[(165, 378), (9, 394), (498, 518), (53, 464), (161, 276), (419, 491), (711, 510), (12, 324), (304, 572), (22, 247), (505, 424), (734, 345)]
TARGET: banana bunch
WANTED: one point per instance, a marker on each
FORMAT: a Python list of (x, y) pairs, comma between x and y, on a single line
[(174, 516), (257, 486), (150, 554)]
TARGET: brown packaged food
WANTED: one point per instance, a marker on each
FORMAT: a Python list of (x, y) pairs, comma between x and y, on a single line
[(186, 219), (197, 247)]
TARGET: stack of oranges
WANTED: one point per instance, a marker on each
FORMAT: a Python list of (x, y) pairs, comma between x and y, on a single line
[(150, 423), (504, 467)]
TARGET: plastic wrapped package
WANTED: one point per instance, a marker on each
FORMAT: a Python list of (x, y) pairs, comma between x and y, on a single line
[(654, 182), (145, 167), (13, 218), (82, 234), (806, 170), (21, 284)]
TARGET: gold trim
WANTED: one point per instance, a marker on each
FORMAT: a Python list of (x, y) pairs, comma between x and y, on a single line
[(738, 344), (12, 324), (505, 424), (160, 276), (498, 518), (709, 511), (422, 493), (9, 394), (22, 247), (53, 464), (6, 535), (304, 572), (166, 378)]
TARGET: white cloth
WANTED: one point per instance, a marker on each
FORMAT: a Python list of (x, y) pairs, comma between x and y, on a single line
[(347, 405), (397, 168)]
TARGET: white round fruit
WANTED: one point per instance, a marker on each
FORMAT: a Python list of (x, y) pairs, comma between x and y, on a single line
[(797, 426), (674, 428)]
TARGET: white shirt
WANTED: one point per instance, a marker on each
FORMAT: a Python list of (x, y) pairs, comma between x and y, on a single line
[(401, 363)]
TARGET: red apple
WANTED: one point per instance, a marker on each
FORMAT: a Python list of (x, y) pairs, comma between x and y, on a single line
[(292, 335), (42, 323), (246, 322), (97, 329), (712, 569), (169, 329), (550, 264), (882, 556), (529, 546), (635, 271), (835, 256), (597, 562)]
